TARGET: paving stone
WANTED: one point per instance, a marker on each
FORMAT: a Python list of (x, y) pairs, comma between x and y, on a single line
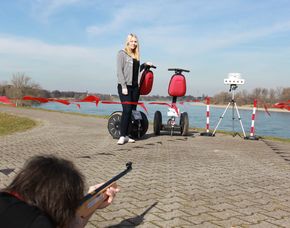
[(221, 206), (201, 218), (254, 218), (277, 214), (232, 222), (203, 225), (283, 222), (191, 181), (264, 224)]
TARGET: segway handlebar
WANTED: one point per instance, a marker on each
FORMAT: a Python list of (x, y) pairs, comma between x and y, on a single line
[(149, 66), (178, 70)]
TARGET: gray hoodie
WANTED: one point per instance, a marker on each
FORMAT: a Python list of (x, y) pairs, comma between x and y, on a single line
[(125, 69)]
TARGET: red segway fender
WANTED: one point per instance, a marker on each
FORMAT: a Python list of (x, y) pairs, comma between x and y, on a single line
[(146, 82), (177, 86)]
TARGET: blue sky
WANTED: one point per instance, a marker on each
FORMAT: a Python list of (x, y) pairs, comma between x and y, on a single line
[(72, 44)]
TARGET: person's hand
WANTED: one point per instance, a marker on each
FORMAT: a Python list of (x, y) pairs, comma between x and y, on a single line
[(124, 91), (110, 194)]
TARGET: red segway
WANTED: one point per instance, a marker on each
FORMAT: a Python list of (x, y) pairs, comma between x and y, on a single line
[(139, 124), (176, 88)]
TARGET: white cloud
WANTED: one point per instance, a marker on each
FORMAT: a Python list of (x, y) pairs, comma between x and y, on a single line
[(120, 19), (32, 47), (58, 66), (47, 8)]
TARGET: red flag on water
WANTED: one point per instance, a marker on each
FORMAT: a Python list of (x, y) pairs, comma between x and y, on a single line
[(39, 99), (91, 98), (5, 100), (62, 101), (283, 105)]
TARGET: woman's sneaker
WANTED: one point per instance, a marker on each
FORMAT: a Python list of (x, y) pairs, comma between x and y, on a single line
[(121, 140), (127, 139)]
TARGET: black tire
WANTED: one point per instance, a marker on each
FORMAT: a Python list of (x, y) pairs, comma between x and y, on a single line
[(136, 131), (114, 124), (157, 123), (184, 124)]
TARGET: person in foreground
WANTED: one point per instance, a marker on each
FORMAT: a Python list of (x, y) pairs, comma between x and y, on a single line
[(46, 193), (128, 72)]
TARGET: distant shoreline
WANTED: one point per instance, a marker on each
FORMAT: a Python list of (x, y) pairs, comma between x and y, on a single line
[(244, 107)]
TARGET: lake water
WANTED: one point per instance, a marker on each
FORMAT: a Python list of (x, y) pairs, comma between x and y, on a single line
[(277, 125)]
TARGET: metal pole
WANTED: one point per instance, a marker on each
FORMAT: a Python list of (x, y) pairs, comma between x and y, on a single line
[(233, 110)]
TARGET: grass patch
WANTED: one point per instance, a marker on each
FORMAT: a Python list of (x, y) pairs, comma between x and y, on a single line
[(10, 124), (276, 139), (287, 140)]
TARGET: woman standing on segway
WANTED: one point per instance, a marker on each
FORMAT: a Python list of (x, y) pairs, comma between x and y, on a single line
[(128, 68)]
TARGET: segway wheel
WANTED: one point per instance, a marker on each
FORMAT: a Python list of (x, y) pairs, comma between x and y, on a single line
[(157, 123), (184, 124), (138, 128), (114, 124)]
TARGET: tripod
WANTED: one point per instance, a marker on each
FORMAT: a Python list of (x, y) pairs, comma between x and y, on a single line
[(233, 87)]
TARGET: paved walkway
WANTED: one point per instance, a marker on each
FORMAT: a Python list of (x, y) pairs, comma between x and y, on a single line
[(176, 181)]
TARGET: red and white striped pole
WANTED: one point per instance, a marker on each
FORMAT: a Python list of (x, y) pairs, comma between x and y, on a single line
[(207, 114), (252, 129), (207, 133)]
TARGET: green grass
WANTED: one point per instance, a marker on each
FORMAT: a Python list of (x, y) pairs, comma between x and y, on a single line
[(276, 139), (10, 124)]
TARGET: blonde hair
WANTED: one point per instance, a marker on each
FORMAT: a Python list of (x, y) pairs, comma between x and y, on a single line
[(135, 54)]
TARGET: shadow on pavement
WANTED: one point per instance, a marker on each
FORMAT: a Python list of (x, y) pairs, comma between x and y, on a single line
[(135, 221)]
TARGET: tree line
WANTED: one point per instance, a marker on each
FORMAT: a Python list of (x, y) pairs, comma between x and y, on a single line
[(22, 85), (266, 96)]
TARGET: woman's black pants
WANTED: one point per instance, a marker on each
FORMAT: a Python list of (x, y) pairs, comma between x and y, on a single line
[(133, 96)]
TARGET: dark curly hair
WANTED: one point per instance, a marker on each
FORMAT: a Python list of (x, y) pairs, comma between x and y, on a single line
[(52, 184)]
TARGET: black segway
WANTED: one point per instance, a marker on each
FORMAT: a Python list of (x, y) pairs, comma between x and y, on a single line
[(139, 122), (176, 88)]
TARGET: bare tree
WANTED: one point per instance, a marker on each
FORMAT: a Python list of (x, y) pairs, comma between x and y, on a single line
[(285, 95), (221, 98), (272, 96), (279, 92), (22, 85)]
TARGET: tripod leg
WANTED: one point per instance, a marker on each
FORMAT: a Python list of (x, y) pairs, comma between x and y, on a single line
[(240, 120), (221, 117)]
